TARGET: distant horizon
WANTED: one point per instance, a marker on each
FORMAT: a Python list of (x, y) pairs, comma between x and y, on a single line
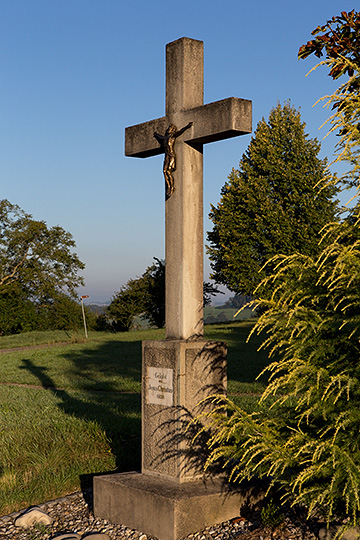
[(217, 300)]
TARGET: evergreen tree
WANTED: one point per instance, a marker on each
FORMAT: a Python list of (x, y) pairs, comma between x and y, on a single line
[(269, 205), (306, 440)]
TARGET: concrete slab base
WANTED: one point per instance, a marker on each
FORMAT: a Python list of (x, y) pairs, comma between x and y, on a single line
[(166, 509)]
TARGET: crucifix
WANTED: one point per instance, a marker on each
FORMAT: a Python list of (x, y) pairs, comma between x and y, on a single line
[(170, 497), (184, 208)]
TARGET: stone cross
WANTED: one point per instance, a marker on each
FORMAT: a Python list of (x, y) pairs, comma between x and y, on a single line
[(184, 209), (170, 497)]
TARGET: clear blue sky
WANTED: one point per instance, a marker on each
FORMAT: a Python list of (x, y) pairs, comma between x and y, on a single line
[(75, 73)]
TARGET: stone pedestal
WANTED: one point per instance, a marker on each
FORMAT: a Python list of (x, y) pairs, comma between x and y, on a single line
[(164, 508), (177, 376), (171, 498)]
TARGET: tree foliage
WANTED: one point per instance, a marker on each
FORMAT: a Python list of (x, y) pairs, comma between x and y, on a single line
[(37, 269), (65, 313), (145, 297), (17, 312), (270, 205), (340, 43), (209, 290), (127, 303), (307, 440), (35, 256), (238, 301), (155, 299)]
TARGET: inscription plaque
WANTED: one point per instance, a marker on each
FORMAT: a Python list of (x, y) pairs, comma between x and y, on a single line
[(160, 386)]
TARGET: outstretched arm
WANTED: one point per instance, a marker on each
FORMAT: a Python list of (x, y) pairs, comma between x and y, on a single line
[(181, 131), (158, 137)]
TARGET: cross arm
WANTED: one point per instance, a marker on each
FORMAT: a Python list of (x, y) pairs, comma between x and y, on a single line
[(140, 140), (218, 120), (211, 122)]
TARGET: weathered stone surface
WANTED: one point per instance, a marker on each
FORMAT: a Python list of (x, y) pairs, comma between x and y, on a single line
[(31, 516), (195, 370), (329, 533), (211, 122), (166, 509)]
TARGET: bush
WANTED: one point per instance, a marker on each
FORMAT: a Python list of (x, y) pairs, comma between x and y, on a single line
[(271, 515), (306, 441)]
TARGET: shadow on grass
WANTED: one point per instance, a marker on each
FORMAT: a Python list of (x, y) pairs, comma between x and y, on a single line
[(107, 379), (107, 391), (245, 361)]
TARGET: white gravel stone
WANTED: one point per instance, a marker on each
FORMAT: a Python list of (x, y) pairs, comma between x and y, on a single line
[(73, 520), (31, 516)]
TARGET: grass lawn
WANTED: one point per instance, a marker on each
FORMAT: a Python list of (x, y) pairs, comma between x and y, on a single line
[(226, 314), (81, 414)]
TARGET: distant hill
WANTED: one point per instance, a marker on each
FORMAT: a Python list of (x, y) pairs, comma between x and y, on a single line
[(216, 314), (212, 314), (98, 309)]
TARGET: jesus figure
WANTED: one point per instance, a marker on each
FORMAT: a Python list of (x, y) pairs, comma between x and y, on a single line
[(168, 143)]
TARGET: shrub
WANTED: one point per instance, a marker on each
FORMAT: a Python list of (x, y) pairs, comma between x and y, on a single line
[(306, 440)]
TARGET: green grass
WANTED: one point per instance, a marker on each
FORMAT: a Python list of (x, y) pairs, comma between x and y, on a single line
[(81, 416), (51, 441), (30, 339), (245, 362), (228, 313)]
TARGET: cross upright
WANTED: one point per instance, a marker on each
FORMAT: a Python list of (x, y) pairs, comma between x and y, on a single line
[(184, 208), (170, 498)]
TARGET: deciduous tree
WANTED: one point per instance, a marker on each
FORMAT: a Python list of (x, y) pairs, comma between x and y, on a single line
[(127, 303), (17, 312), (38, 268), (145, 297), (40, 259)]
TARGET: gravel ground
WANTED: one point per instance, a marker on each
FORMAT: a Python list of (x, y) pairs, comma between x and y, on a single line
[(74, 514)]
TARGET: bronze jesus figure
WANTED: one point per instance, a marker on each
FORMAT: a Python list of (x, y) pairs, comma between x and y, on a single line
[(168, 142)]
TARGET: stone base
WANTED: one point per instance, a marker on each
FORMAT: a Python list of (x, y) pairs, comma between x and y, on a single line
[(166, 509), (190, 372)]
